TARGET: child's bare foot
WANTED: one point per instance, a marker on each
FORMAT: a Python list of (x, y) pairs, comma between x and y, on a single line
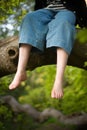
[(57, 91), (19, 77)]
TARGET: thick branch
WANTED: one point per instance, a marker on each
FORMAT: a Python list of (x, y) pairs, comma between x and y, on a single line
[(42, 116), (9, 56)]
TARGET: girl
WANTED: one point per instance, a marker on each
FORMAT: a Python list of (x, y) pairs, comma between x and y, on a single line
[(51, 25)]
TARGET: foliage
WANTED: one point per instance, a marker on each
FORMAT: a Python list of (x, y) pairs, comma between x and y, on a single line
[(75, 94), (4, 82), (82, 36), (10, 120), (11, 15), (75, 90), (9, 7), (36, 91), (39, 85)]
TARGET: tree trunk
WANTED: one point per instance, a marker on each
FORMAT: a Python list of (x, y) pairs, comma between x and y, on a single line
[(9, 56), (42, 116)]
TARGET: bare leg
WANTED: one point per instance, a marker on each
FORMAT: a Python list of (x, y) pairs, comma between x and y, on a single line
[(20, 75), (62, 56)]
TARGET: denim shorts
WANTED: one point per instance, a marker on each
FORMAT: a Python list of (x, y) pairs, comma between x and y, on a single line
[(46, 28)]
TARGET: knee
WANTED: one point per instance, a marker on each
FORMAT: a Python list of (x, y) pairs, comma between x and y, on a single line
[(66, 23)]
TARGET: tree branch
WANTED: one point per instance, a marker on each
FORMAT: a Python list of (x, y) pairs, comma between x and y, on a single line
[(9, 56), (42, 116)]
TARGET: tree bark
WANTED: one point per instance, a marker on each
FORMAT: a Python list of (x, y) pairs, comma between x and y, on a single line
[(42, 116), (9, 56)]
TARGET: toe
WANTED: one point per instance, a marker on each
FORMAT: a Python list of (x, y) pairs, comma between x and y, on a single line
[(11, 86), (53, 94)]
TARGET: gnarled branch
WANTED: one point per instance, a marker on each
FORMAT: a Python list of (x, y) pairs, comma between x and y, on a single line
[(9, 56), (42, 116)]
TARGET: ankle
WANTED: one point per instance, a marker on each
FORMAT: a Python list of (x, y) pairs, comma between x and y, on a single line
[(59, 78)]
